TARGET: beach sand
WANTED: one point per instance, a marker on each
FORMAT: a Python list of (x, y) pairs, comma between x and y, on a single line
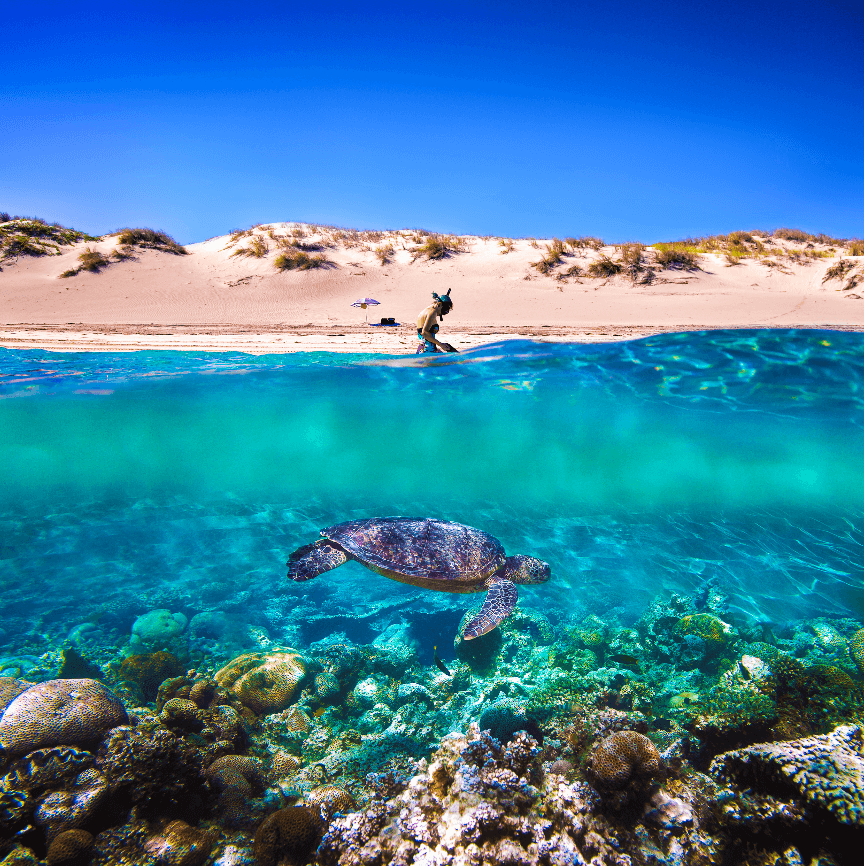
[(213, 300)]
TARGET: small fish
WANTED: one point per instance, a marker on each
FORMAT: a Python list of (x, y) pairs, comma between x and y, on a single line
[(626, 660), (439, 664)]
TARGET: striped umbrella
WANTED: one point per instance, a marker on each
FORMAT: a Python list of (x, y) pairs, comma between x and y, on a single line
[(364, 303)]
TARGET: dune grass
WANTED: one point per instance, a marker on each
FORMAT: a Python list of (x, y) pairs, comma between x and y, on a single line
[(32, 236), (585, 243), (91, 260), (435, 247), (150, 239), (604, 267), (555, 253), (299, 260), (257, 249), (672, 258), (384, 253)]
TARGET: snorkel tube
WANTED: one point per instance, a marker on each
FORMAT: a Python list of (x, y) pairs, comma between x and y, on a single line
[(444, 300)]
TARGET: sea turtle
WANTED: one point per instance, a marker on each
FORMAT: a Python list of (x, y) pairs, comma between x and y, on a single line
[(434, 554)]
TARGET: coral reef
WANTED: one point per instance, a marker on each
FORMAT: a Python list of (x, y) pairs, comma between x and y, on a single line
[(686, 733), (478, 802)]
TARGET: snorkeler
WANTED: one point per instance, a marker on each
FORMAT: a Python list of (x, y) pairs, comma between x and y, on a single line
[(427, 325)]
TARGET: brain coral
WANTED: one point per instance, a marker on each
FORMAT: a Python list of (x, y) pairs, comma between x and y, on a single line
[(621, 757), (330, 800), (180, 845), (264, 682), (60, 713), (70, 847), (10, 688), (856, 649), (326, 687), (289, 835), (236, 774), (826, 770)]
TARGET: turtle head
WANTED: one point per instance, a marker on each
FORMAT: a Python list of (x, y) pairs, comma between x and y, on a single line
[(313, 559), (525, 570)]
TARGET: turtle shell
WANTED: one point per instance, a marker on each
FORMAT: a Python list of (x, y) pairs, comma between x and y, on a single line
[(420, 548)]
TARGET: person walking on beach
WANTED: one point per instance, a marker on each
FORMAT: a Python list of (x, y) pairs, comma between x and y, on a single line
[(427, 325)]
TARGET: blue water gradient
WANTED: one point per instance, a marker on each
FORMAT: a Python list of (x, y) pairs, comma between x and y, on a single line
[(637, 469)]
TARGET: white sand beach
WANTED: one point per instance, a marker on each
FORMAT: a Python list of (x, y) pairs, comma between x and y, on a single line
[(215, 299)]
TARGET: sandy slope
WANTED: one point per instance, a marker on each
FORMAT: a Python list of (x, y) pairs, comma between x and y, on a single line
[(234, 299)]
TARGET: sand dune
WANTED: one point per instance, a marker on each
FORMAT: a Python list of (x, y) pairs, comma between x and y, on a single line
[(245, 302)]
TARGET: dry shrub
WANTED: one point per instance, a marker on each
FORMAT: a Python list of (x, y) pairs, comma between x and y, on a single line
[(838, 271), (794, 235), (677, 259), (604, 267)]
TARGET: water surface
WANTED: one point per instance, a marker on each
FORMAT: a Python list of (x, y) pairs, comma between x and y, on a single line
[(658, 466)]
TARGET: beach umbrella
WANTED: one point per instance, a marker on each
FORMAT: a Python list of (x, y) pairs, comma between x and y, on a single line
[(363, 303)]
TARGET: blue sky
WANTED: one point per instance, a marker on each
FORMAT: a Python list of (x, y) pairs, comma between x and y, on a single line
[(632, 121)]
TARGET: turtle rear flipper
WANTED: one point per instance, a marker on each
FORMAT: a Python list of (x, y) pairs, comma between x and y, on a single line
[(497, 606), (313, 559)]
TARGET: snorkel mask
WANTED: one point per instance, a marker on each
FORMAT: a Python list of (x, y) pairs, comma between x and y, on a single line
[(444, 300)]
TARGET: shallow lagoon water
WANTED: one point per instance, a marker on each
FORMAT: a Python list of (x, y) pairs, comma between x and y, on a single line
[(159, 479)]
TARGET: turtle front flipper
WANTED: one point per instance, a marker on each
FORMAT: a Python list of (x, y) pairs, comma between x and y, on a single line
[(313, 559), (497, 606)]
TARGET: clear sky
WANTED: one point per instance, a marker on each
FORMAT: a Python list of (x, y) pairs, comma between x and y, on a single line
[(629, 120)]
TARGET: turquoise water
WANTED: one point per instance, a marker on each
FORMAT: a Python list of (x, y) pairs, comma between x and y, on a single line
[(665, 465)]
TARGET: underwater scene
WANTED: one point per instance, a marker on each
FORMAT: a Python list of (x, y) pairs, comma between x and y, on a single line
[(192, 673)]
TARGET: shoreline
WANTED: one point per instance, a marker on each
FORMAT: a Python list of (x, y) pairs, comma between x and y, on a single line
[(348, 338)]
